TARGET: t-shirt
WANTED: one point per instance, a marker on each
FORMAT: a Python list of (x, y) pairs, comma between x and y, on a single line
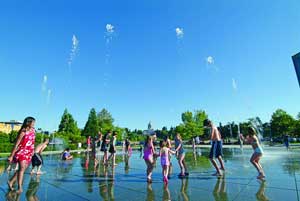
[(65, 155)]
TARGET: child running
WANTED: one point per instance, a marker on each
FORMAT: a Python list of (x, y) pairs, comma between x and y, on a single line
[(258, 151), (148, 157), (22, 152), (37, 159), (112, 148), (180, 155), (216, 147), (165, 160)]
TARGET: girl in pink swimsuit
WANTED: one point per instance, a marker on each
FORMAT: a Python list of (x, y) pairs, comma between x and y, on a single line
[(165, 160), (148, 157), (22, 152)]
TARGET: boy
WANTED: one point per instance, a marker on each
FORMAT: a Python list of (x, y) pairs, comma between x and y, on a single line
[(66, 155), (37, 160), (216, 147)]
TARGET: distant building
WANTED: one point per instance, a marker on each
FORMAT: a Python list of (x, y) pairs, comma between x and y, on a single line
[(7, 127), (296, 60), (150, 131)]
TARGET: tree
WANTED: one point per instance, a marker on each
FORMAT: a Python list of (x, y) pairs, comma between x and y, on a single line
[(91, 127), (199, 118), (282, 123), (105, 120), (187, 117), (68, 124), (192, 124)]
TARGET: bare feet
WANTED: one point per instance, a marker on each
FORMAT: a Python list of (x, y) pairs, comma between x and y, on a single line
[(261, 177), (10, 185), (20, 190), (218, 174), (39, 173)]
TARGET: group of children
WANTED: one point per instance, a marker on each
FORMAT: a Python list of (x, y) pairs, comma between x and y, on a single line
[(165, 152), (24, 152)]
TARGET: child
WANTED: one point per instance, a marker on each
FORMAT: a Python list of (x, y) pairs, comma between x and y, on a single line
[(258, 152), (37, 160), (169, 145), (10, 167), (216, 147), (180, 155), (165, 160), (112, 148), (22, 152), (104, 146), (88, 142), (148, 157), (66, 155), (128, 149)]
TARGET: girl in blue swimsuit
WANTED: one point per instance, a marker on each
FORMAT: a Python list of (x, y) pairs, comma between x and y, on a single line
[(258, 151)]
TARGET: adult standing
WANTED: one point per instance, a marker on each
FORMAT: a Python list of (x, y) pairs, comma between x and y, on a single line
[(216, 147)]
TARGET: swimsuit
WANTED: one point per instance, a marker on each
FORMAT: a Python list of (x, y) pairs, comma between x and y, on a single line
[(216, 149), (37, 160), (181, 149), (66, 155), (164, 159), (26, 148), (148, 153), (112, 149), (258, 149), (104, 145)]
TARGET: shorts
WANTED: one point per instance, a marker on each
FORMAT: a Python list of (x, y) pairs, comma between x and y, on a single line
[(103, 147), (37, 160), (164, 161), (258, 150), (216, 149), (112, 150)]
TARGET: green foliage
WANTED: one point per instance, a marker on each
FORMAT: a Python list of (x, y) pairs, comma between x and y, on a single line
[(13, 136), (282, 123), (68, 125), (192, 124), (4, 138), (119, 131), (105, 121), (91, 127), (135, 135), (6, 147)]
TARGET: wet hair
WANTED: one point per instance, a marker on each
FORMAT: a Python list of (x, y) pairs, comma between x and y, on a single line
[(207, 122), (147, 140), (114, 133), (26, 123), (68, 149), (178, 136), (162, 143), (251, 131)]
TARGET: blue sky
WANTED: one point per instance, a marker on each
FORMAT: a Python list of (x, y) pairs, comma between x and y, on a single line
[(142, 70)]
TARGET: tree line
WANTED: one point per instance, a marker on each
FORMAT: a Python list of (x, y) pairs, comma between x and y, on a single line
[(281, 123)]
